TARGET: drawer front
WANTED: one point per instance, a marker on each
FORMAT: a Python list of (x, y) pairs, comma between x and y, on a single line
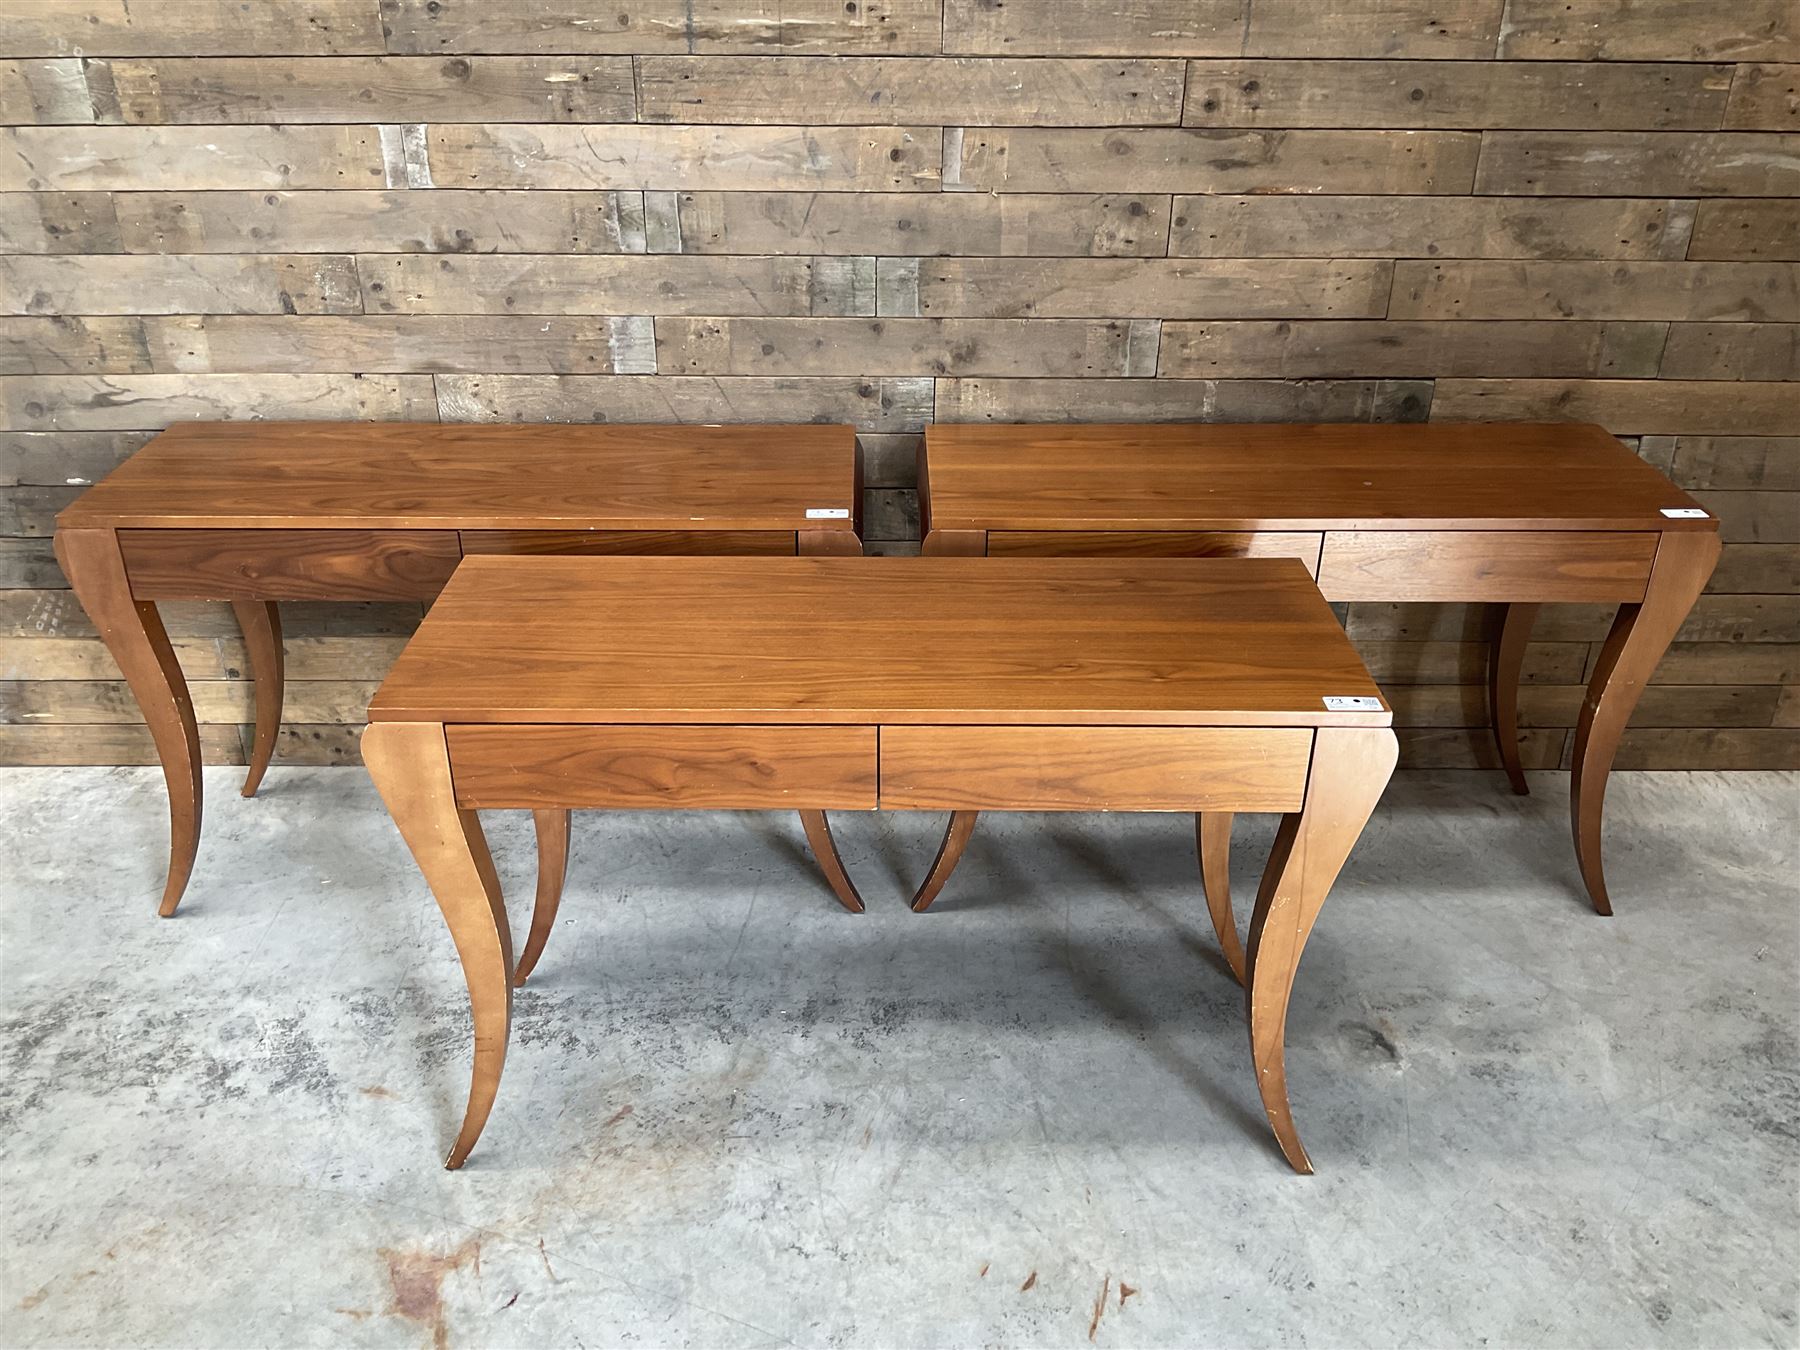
[(1156, 544), (1500, 565), (687, 542), (726, 768), (289, 564), (1094, 768)]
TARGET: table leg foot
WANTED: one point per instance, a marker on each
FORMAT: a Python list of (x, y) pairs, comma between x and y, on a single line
[(949, 854), (553, 869), (1212, 833), (824, 847), (1350, 768), (260, 621), (1506, 658), (411, 768), (134, 635), (1639, 637)]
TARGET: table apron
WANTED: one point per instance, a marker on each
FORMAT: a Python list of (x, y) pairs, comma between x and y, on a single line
[(736, 543), (209, 564), (1511, 566)]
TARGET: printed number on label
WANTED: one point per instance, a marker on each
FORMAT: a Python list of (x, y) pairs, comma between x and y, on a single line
[(828, 513), (1346, 703), (1684, 513)]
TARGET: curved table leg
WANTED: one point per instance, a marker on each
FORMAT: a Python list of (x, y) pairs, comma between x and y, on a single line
[(1639, 637), (134, 634), (260, 621), (553, 869), (1212, 833), (949, 854), (1350, 768), (411, 767), (1506, 657), (824, 847)]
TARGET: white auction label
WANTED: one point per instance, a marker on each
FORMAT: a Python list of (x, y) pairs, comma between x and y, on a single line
[(1684, 513), (1349, 703), (828, 513)]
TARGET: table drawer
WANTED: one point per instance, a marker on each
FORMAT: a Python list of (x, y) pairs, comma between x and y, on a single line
[(288, 564), (1156, 544), (1500, 565), (730, 768), (1094, 768), (733, 542)]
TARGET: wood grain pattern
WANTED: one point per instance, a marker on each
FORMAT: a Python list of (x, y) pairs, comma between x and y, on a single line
[(1678, 30), (1155, 544), (1740, 291), (201, 564), (1092, 769), (1746, 230), (962, 399), (192, 28), (503, 284), (663, 768), (271, 284), (1587, 163), (1764, 98), (587, 543), (1477, 565), (886, 404), (1648, 407), (68, 159)]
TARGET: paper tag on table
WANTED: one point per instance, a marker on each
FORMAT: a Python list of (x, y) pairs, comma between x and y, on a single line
[(1348, 703)]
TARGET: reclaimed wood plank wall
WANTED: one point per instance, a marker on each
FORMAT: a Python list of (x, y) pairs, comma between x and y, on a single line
[(886, 211)]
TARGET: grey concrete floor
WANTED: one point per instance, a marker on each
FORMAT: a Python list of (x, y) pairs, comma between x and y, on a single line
[(735, 1115)]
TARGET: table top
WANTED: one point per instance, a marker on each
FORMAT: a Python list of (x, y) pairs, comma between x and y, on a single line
[(427, 475), (1050, 641), (1211, 476)]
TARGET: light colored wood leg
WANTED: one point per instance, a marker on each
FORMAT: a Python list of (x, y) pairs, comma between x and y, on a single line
[(134, 634), (260, 621), (411, 767), (553, 869), (949, 854), (1350, 768), (1212, 833), (824, 847), (1640, 635), (1506, 657)]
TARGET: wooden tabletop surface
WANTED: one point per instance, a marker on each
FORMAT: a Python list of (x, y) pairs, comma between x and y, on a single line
[(1233, 642), (427, 475), (1443, 475)]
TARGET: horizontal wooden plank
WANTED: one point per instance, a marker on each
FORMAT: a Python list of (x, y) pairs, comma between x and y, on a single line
[(69, 159), (204, 658), (364, 89), (1714, 618), (381, 343), (51, 745), (187, 28), (303, 283), (1755, 517), (72, 345), (1733, 351), (1464, 748), (376, 221), (914, 225), (1452, 29), (1610, 163), (890, 514), (665, 767), (58, 222), (44, 91), (868, 404), (232, 702), (1093, 768), (669, 158), (1430, 227), (28, 564), (31, 511), (985, 400), (1559, 706), (1172, 159), (1450, 94), (1405, 663), (1625, 407), (1729, 663), (594, 543), (1709, 748), (1675, 30), (710, 26), (1132, 288), (585, 284), (134, 402), (1726, 291), (57, 613), (69, 457), (1764, 98), (890, 460), (1156, 544), (1754, 231), (752, 346), (909, 90), (1737, 463), (1310, 349), (1787, 712), (1757, 569)]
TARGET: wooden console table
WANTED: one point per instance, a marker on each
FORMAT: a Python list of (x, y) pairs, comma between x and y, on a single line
[(1025, 684), (1518, 515), (256, 513)]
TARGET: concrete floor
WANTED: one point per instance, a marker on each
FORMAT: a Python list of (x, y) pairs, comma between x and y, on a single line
[(737, 1116)]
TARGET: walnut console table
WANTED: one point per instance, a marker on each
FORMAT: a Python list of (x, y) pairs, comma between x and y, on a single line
[(1518, 515), (1032, 684), (257, 513)]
